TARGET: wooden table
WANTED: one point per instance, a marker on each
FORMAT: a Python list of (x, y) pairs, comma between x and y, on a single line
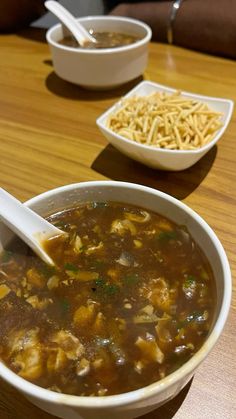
[(48, 138)]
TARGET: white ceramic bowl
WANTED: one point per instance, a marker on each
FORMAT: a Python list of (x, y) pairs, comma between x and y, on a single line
[(158, 158), (101, 68), (135, 403)]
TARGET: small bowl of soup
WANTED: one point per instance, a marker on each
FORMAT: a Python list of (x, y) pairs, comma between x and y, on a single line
[(138, 297), (119, 55)]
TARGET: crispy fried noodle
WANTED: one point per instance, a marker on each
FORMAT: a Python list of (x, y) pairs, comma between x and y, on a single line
[(169, 121)]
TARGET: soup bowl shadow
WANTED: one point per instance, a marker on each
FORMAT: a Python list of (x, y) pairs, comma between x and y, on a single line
[(65, 89), (144, 400), (115, 165)]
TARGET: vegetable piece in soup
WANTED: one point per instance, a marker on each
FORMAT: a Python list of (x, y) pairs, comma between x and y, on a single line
[(129, 301)]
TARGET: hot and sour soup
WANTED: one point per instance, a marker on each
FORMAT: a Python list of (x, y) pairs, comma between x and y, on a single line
[(103, 40), (130, 300)]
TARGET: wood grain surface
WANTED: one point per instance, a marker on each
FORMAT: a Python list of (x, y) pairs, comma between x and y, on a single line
[(48, 138)]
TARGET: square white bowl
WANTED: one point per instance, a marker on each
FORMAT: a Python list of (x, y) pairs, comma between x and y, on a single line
[(160, 158)]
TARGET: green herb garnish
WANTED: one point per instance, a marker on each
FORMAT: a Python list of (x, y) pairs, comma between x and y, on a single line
[(47, 271), (131, 279), (167, 235), (65, 305), (99, 282), (196, 316), (106, 289), (70, 267), (59, 224), (111, 289), (189, 281)]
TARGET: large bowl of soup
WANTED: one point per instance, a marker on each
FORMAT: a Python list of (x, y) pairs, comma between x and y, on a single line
[(137, 299), (119, 56)]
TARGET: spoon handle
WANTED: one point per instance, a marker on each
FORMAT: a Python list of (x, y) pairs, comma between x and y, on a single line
[(27, 224), (78, 31)]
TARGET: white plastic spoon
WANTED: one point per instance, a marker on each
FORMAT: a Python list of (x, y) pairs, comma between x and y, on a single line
[(26, 224), (78, 31)]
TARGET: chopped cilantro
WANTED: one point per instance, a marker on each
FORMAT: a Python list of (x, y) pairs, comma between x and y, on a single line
[(65, 305), (131, 279), (99, 282), (106, 289), (70, 267), (47, 271), (59, 224), (196, 316), (189, 281), (111, 289), (167, 235)]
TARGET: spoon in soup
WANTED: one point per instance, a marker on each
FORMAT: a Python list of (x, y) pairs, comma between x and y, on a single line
[(27, 224), (81, 35)]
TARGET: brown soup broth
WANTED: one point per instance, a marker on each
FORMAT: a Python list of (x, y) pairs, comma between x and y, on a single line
[(130, 300), (104, 40)]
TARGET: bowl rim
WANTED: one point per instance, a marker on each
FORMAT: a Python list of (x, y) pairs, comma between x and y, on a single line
[(100, 121), (103, 51), (187, 369)]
